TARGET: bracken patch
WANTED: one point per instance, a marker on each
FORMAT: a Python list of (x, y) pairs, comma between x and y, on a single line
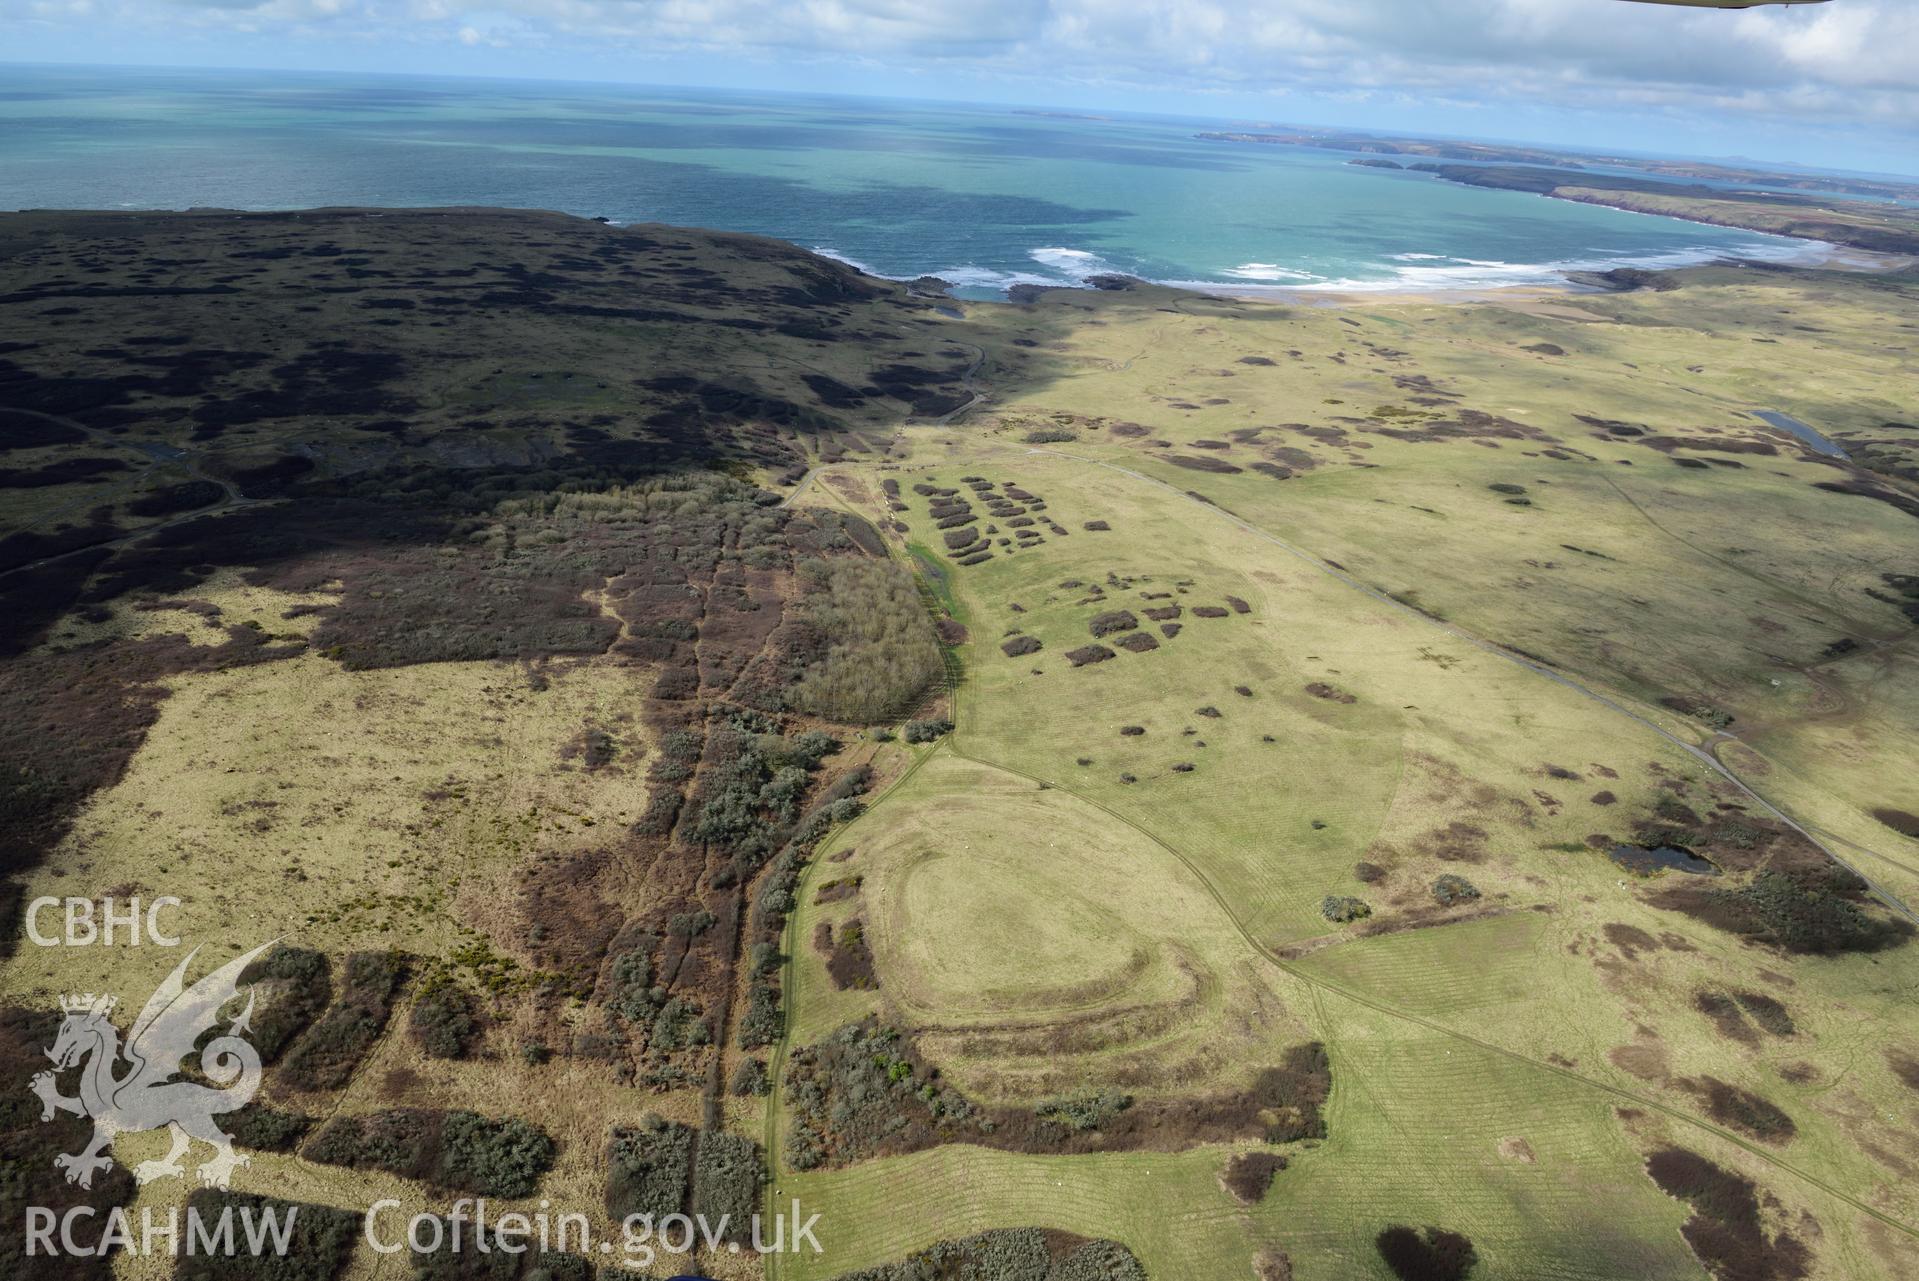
[(1725, 1231), (1429, 1254), (1740, 1109), (1249, 1174)]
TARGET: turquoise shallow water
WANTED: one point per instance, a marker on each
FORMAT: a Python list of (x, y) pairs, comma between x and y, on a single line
[(984, 196)]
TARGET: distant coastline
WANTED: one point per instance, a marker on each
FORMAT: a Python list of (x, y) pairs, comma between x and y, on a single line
[(1049, 199), (1753, 199), (1499, 153), (1856, 224)]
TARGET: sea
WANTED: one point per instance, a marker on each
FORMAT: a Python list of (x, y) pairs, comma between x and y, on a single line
[(983, 196)]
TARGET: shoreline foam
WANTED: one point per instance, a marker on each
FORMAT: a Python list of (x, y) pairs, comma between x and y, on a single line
[(1414, 276)]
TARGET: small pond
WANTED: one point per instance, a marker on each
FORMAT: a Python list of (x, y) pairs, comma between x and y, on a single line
[(1786, 422), (1645, 860)]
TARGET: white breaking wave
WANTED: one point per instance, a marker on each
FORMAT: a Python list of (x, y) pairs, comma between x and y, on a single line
[(1073, 267), (1437, 273), (987, 278), (1074, 264), (1412, 273), (1267, 271)]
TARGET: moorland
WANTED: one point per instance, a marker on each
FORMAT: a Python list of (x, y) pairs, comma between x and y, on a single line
[(1122, 783)]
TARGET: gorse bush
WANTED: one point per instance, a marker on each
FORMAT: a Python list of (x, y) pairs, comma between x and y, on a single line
[(685, 925), (881, 652), (1012, 1254), (319, 1240), (498, 1263), (631, 994), (263, 1128), (460, 1150), (1249, 1174), (1088, 1110), (326, 1055), (1813, 914), (763, 1020), (662, 811), (1726, 1229), (857, 1087), (1430, 1255), (297, 984), (1098, 1261), (1292, 1096), (1341, 908), (783, 792), (397, 1141), (750, 1079), (752, 791), (496, 1158), (1767, 1012), (761, 1024), (647, 1168), (727, 1175), (444, 1017), (678, 1026), (927, 731)]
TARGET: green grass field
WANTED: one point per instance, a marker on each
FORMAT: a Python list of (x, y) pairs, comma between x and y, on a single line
[(1032, 873)]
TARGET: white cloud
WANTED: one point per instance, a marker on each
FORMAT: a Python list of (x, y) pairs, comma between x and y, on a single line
[(1850, 60)]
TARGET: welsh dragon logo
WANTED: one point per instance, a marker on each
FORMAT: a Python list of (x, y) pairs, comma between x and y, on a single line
[(132, 1088)]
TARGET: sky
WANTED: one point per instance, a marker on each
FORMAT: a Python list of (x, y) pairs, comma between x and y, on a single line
[(1832, 85)]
